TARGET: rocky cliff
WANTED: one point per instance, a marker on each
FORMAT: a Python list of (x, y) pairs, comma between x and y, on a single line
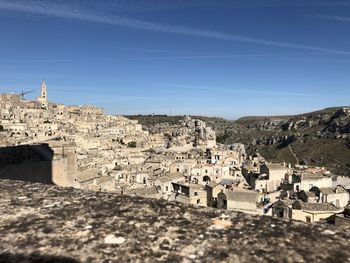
[(320, 138), (42, 223), (334, 121)]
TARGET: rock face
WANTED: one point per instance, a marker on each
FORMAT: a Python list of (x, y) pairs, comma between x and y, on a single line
[(320, 138), (339, 122), (238, 147), (193, 132), (42, 223), (324, 122)]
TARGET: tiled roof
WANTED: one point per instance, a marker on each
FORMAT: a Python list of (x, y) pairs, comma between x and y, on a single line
[(242, 196), (142, 191), (212, 184), (310, 176), (170, 177), (318, 207)]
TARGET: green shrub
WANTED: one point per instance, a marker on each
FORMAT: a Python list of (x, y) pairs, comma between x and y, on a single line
[(132, 144)]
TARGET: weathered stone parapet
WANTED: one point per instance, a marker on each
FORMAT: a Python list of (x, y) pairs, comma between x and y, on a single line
[(44, 223)]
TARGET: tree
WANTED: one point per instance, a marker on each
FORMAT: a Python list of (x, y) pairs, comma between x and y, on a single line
[(132, 144)]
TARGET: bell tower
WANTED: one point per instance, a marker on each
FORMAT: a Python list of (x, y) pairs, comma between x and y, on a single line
[(43, 90), (43, 95)]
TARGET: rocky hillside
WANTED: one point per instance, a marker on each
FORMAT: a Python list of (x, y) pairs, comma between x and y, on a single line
[(44, 223), (319, 138)]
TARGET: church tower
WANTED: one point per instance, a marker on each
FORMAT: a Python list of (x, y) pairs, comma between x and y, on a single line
[(43, 90), (43, 95)]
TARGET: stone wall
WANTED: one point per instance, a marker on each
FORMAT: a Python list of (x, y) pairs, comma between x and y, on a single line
[(29, 171), (39, 163)]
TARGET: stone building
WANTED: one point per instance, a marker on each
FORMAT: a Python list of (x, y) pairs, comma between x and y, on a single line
[(282, 208), (337, 195), (213, 189), (311, 213), (239, 200), (305, 181), (164, 184), (188, 193)]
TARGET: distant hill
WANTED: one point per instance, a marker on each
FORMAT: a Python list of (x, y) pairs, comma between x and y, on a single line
[(151, 120), (319, 138)]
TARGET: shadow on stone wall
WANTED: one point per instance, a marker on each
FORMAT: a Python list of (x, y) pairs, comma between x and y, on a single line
[(18, 258), (31, 163)]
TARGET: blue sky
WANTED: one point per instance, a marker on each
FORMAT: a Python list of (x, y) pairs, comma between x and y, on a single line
[(218, 58)]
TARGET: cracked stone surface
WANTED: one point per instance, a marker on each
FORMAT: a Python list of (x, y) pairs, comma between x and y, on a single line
[(45, 223)]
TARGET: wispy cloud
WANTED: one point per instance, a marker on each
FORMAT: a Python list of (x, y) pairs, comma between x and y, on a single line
[(146, 5), (53, 60), (287, 4), (336, 18), (171, 110), (182, 57), (64, 11), (231, 56), (235, 90)]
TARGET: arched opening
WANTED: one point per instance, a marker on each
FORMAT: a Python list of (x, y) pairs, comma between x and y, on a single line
[(222, 201), (206, 179)]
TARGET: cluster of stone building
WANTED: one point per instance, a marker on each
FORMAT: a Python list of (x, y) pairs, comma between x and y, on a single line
[(81, 146)]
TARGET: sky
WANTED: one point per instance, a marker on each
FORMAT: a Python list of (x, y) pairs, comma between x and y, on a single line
[(226, 58)]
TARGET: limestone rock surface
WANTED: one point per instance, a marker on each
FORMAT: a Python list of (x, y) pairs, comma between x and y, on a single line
[(44, 223)]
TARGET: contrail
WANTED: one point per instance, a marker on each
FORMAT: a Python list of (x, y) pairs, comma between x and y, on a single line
[(66, 12), (336, 18)]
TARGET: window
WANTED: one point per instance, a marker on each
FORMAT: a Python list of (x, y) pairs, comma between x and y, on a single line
[(167, 188), (308, 219), (195, 193), (198, 201), (206, 171), (178, 169)]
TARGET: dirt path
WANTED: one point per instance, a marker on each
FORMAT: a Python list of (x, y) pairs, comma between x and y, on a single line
[(292, 152)]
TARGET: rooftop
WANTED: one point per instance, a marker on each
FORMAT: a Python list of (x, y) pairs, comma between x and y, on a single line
[(313, 176), (169, 177), (319, 207), (242, 195), (332, 190)]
